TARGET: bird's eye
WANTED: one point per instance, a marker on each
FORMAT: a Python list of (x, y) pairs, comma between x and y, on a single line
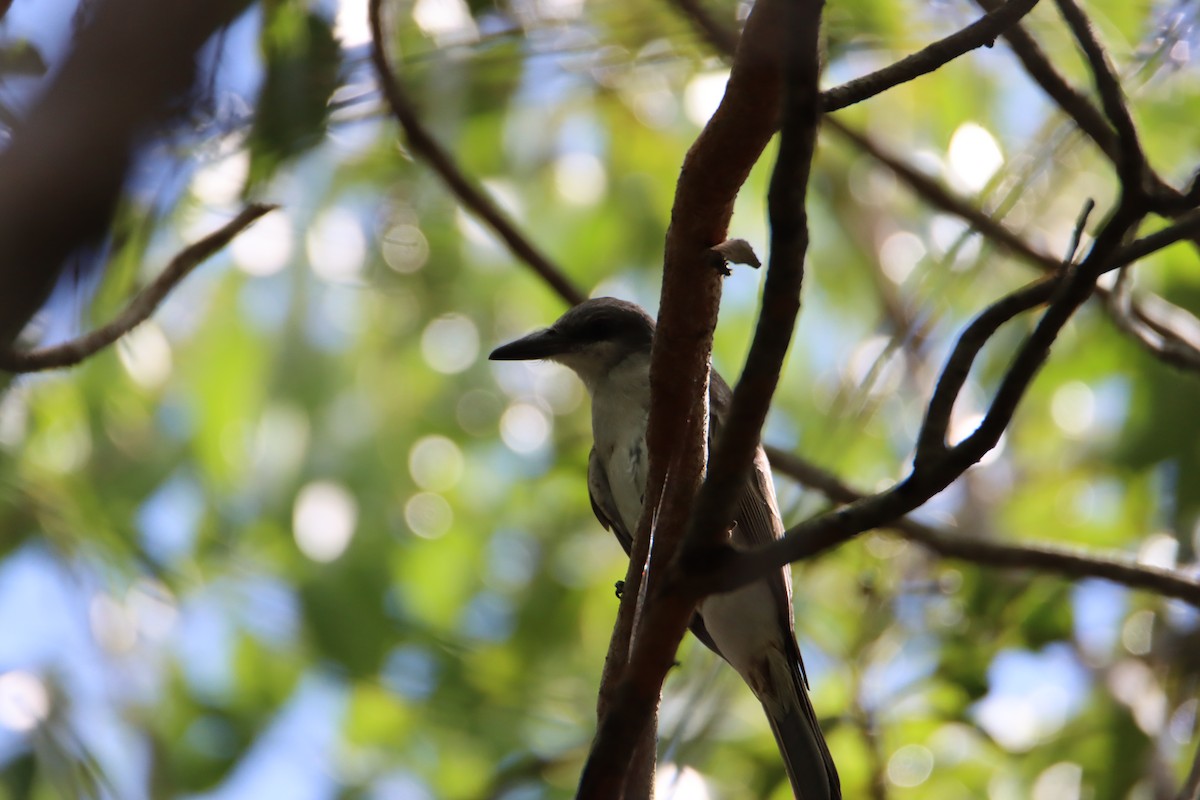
[(598, 330)]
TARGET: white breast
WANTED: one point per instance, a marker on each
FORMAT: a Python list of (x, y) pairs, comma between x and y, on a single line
[(620, 409)]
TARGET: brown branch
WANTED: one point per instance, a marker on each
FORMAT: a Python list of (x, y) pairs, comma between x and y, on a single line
[(139, 308), (931, 441), (1170, 344), (714, 170), (934, 474), (937, 195), (1186, 227), (1042, 557), (423, 144), (1162, 340), (1170, 348), (786, 198), (982, 32)]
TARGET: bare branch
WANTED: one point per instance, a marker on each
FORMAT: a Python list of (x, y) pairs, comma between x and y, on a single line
[(931, 475), (713, 513), (931, 441), (1186, 227), (1170, 343), (938, 196), (1130, 161), (713, 171), (1073, 102), (139, 308), (1041, 557), (423, 144), (981, 33)]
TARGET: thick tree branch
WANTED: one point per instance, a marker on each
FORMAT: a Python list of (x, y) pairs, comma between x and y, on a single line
[(424, 145), (139, 308), (786, 198), (713, 171), (1042, 557), (65, 166)]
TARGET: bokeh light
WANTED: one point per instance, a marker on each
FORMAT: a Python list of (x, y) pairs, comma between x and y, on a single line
[(323, 520)]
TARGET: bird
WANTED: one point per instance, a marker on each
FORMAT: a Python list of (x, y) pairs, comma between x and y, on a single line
[(606, 342)]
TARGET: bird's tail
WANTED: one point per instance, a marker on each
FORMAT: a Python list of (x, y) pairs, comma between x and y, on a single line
[(806, 757)]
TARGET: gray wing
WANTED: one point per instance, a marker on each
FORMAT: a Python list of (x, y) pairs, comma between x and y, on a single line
[(602, 502), (605, 511), (757, 515)]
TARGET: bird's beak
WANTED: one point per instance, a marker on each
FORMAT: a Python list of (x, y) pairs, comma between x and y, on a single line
[(545, 343)]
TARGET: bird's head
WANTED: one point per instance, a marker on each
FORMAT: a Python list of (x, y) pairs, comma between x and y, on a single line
[(592, 338)]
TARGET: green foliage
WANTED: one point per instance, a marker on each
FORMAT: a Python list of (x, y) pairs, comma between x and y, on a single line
[(448, 592)]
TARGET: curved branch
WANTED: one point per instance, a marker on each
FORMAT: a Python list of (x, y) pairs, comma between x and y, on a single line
[(931, 441), (139, 308), (1130, 160), (423, 144), (1067, 562), (1148, 320)]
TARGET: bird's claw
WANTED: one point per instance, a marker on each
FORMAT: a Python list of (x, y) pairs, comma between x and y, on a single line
[(620, 587)]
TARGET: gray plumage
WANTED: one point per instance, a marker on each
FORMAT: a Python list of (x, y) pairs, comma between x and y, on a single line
[(607, 342)]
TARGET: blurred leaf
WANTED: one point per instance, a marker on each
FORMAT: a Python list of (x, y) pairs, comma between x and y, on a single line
[(20, 58), (303, 61), (343, 606)]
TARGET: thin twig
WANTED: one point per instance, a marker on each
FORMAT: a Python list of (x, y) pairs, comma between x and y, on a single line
[(423, 144), (1186, 227), (981, 33), (139, 308), (1131, 161), (1072, 101), (1041, 557), (722, 37), (1172, 346), (1168, 345), (932, 475), (940, 197)]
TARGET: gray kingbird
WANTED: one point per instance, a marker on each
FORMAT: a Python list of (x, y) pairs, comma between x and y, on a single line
[(606, 342)]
